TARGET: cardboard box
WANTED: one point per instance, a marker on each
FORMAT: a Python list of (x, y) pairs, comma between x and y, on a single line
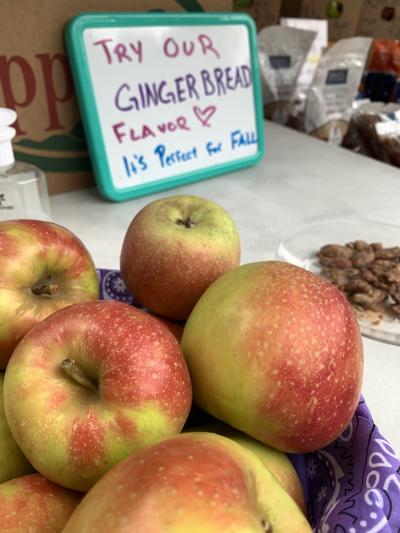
[(264, 12), (343, 16), (291, 8), (35, 80), (380, 19)]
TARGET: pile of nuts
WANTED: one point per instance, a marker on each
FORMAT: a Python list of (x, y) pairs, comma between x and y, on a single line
[(368, 274)]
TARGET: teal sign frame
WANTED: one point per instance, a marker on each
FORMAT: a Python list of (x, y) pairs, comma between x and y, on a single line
[(92, 81)]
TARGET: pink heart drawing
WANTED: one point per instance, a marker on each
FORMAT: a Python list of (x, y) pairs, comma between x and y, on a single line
[(204, 115)]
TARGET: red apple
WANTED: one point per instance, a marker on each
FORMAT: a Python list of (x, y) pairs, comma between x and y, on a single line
[(174, 249), (276, 352), (43, 267), (35, 504), (190, 483), (277, 462), (90, 384)]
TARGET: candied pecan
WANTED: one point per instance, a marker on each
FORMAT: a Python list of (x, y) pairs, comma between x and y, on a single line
[(392, 275), (334, 275), (360, 259), (374, 280), (382, 285), (369, 300), (339, 276), (351, 272), (335, 250), (356, 285), (379, 266), (368, 276), (394, 291), (388, 253), (360, 246), (335, 262), (396, 309)]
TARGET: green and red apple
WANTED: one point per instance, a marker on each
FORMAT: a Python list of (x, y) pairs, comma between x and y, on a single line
[(193, 482), (89, 385), (276, 352), (36, 505), (277, 462), (174, 249), (13, 462), (43, 267)]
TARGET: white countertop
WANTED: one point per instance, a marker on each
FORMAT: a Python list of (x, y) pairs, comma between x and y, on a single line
[(301, 181)]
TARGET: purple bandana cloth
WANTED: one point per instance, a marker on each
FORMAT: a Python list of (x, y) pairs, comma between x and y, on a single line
[(352, 485)]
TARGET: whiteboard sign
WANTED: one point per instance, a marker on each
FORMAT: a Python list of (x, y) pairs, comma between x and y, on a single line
[(166, 99)]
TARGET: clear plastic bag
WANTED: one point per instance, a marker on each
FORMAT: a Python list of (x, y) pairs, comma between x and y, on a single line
[(282, 52), (374, 130), (334, 87)]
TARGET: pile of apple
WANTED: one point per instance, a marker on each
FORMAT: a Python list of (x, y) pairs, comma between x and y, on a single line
[(95, 395)]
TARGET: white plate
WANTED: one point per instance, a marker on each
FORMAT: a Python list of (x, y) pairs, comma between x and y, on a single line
[(300, 249)]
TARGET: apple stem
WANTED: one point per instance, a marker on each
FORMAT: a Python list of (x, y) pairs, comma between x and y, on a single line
[(188, 223), (266, 526), (47, 289), (72, 370)]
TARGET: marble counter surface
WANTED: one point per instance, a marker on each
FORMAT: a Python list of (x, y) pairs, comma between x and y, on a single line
[(301, 181)]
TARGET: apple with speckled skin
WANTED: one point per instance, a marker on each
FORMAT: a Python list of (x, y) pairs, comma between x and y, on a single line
[(35, 504), (277, 462), (43, 267), (193, 482), (89, 385), (276, 352), (13, 463), (174, 249)]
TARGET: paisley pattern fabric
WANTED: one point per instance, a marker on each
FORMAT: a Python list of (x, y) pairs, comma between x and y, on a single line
[(352, 485)]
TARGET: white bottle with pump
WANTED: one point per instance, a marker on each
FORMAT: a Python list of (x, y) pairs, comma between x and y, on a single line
[(23, 187)]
